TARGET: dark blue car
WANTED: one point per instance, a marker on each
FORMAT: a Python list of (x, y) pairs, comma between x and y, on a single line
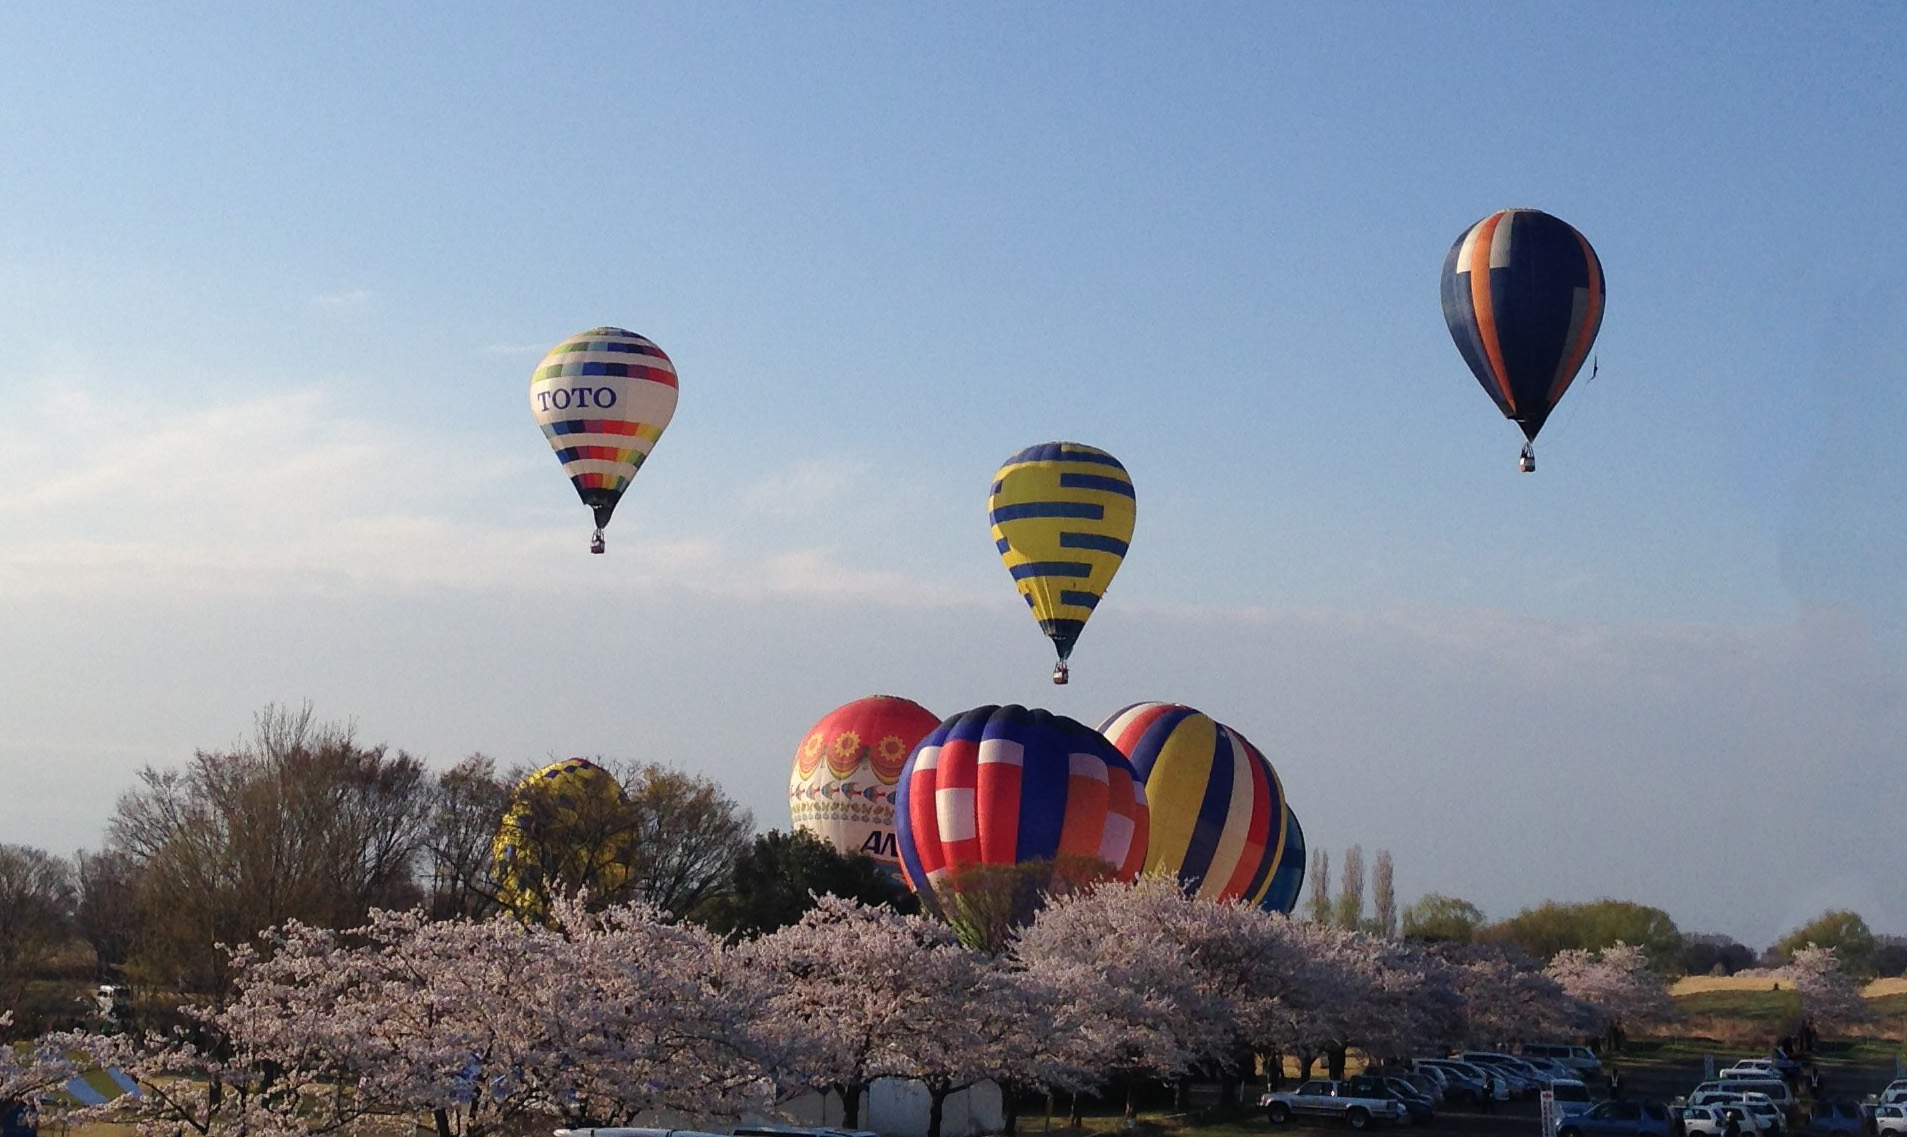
[(1619, 1119)]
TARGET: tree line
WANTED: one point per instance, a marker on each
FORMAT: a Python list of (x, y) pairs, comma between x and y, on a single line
[(303, 823), (488, 1026)]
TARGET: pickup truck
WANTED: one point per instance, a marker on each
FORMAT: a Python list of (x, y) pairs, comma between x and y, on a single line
[(1322, 1097)]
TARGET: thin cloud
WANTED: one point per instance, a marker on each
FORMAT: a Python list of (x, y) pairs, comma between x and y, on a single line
[(350, 298)]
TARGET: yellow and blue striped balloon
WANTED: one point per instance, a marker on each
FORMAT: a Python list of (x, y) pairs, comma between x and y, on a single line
[(1062, 516)]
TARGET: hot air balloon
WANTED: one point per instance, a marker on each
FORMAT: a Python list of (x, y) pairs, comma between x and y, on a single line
[(846, 771), (1216, 804), (1288, 880), (1523, 293), (566, 829), (602, 398), (1062, 517), (1004, 786)]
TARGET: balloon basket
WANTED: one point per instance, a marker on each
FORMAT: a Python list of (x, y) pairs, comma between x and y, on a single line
[(1059, 673), (596, 543), (1526, 462)]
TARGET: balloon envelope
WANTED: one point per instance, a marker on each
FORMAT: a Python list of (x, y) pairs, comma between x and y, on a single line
[(1008, 785), (602, 398), (1217, 807), (563, 828), (1523, 296), (1288, 881), (1062, 516), (842, 785)]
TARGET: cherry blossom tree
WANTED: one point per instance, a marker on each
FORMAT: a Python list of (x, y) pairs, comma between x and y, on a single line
[(1506, 996), (1829, 996), (1617, 983), (27, 1075), (849, 987), (484, 1026), (1115, 957)]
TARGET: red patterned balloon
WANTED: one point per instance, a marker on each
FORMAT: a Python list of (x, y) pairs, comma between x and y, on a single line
[(842, 786), (1009, 785)]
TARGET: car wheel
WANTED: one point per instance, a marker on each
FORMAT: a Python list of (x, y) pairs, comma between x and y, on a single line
[(1278, 1113), (1359, 1118)]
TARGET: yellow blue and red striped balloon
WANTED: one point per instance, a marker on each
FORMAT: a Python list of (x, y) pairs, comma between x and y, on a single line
[(602, 398), (1217, 807), (1062, 516), (1288, 880)]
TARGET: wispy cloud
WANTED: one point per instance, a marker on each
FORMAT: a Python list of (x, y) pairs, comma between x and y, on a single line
[(286, 495), (346, 300)]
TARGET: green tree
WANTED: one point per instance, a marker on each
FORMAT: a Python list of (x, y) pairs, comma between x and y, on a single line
[(36, 915), (1350, 905), (780, 876), (300, 823), (1318, 909), (1552, 927), (1853, 943), (1437, 918)]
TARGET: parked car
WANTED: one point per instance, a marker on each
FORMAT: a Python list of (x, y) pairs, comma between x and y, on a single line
[(1473, 1072), (1571, 1097), (1464, 1081), (1705, 1121), (799, 1131), (1895, 1093), (1776, 1089), (1714, 1097), (1766, 1110), (1832, 1118), (1523, 1081), (1890, 1120), (1578, 1058), (1427, 1084), (1746, 1121), (1626, 1118), (1322, 1097), (1753, 1068), (1418, 1104), (1550, 1068)]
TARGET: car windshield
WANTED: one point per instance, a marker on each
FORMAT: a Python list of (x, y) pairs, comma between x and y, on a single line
[(1567, 1092)]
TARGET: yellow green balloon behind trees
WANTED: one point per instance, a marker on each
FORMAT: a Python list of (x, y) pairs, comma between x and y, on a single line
[(568, 829)]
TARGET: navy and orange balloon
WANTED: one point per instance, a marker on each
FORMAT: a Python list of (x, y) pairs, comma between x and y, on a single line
[(1003, 786), (1523, 296)]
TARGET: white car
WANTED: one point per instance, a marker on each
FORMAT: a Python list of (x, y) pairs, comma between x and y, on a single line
[(1890, 1119), (1708, 1120), (1753, 1068), (1895, 1093), (1767, 1111), (1748, 1122)]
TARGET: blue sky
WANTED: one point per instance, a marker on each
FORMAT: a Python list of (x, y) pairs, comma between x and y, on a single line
[(272, 280)]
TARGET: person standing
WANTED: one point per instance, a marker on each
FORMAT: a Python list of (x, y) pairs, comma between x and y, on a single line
[(1615, 1084), (1489, 1092)]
